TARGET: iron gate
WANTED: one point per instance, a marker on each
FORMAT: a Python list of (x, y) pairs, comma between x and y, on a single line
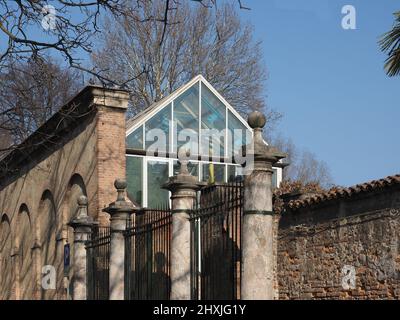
[(147, 255), (215, 242), (98, 263)]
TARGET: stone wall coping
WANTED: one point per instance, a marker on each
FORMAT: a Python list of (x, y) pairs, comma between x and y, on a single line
[(344, 193)]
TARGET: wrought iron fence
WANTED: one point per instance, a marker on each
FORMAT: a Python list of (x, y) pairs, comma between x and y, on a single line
[(147, 255), (216, 243), (98, 264)]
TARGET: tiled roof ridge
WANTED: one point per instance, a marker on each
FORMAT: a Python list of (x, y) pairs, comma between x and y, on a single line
[(337, 193)]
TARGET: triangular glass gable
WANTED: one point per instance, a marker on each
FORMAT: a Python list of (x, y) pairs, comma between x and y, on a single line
[(206, 122)]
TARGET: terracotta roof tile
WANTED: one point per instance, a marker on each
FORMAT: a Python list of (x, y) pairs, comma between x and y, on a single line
[(338, 193)]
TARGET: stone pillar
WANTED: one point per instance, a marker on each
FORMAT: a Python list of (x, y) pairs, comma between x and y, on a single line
[(82, 225), (258, 254), (183, 188), (120, 212)]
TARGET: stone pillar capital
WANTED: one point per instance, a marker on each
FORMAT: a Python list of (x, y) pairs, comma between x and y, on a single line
[(121, 209), (182, 186), (263, 155), (82, 223)]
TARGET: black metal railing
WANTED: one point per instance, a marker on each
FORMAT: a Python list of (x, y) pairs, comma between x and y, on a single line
[(216, 243), (98, 264), (147, 255)]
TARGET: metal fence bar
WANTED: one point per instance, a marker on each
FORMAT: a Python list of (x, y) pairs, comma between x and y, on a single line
[(216, 242), (98, 263), (147, 255)]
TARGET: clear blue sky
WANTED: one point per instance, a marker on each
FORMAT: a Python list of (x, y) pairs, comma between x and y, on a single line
[(329, 82)]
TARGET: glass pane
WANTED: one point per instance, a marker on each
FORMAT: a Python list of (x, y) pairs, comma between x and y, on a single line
[(238, 132), (157, 130), (135, 139), (235, 173), (157, 175), (231, 173), (212, 110), (193, 168), (186, 118), (213, 172), (212, 117), (134, 178)]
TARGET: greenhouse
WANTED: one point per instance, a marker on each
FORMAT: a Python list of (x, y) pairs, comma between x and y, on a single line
[(196, 118)]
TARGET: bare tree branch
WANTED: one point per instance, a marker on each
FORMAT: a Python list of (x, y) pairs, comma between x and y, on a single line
[(68, 27), (197, 40), (30, 93), (305, 168)]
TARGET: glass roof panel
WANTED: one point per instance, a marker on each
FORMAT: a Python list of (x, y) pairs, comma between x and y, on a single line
[(213, 123), (135, 139), (186, 119), (157, 130), (238, 132), (212, 110)]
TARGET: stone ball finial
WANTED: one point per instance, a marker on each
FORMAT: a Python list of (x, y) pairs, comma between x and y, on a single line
[(82, 200), (120, 184), (183, 153), (256, 120)]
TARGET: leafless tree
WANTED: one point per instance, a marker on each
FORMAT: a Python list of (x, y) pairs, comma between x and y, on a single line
[(305, 168), (213, 42), (30, 93), (31, 27)]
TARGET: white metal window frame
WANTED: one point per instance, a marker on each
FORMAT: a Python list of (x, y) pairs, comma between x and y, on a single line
[(200, 80), (145, 160), (170, 162)]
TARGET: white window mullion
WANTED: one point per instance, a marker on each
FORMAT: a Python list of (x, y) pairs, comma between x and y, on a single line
[(144, 138), (171, 129), (200, 119), (200, 171), (144, 200), (170, 167), (226, 134), (171, 173)]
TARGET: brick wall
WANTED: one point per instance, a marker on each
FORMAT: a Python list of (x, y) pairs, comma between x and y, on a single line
[(318, 246), (85, 155), (110, 156)]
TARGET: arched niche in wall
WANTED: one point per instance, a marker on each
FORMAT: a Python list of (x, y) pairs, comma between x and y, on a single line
[(76, 188), (5, 258), (25, 240), (46, 235)]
